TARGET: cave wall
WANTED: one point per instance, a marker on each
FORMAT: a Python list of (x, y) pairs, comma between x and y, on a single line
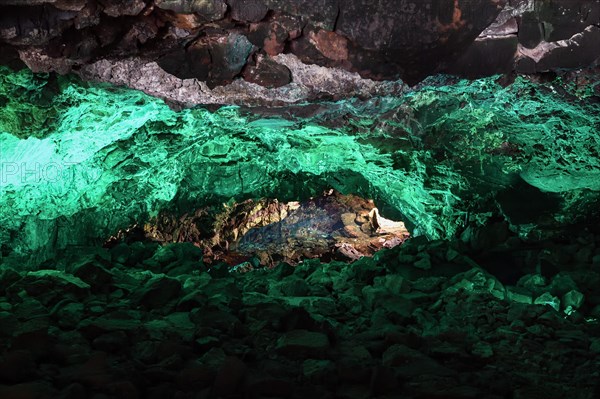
[(533, 36), (275, 52), (198, 48), (81, 161), (217, 40), (420, 152)]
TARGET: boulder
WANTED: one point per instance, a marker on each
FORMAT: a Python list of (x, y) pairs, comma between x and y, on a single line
[(51, 286), (95, 275), (267, 73), (209, 10), (215, 59), (157, 292), (303, 344), (248, 10)]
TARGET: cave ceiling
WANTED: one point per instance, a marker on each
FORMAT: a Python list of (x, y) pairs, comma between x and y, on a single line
[(101, 128), (265, 52), (81, 160)]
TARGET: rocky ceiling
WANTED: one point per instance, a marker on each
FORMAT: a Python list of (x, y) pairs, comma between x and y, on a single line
[(277, 52), (132, 231), (81, 161)]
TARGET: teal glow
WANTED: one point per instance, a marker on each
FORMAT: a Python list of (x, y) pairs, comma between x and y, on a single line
[(80, 161)]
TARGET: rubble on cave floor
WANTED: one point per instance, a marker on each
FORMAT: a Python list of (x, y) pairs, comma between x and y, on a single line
[(144, 320), (330, 226)]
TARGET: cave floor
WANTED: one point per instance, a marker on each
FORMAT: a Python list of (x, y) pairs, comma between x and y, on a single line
[(476, 312), (422, 320)]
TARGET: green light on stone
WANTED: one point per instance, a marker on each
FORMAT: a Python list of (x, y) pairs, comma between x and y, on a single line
[(94, 158)]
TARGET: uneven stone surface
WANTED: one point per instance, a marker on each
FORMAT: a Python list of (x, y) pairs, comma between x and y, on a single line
[(205, 290), (266, 232), (201, 45), (533, 36), (184, 50), (83, 161), (377, 328), (308, 82)]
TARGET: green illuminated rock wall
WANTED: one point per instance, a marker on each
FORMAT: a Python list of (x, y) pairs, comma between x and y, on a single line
[(81, 161)]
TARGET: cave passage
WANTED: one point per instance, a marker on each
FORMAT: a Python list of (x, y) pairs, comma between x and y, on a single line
[(266, 232), (291, 199), (153, 252), (82, 161)]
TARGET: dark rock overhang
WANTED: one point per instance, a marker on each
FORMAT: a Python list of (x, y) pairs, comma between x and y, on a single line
[(264, 42), (267, 52), (535, 36)]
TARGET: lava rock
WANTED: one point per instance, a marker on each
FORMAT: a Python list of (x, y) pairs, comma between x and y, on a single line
[(530, 30), (70, 314), (117, 8), (158, 291), (400, 27), (215, 59), (573, 299), (51, 286), (518, 294), (210, 10), (267, 73), (303, 344), (548, 299), (248, 10), (322, 13), (98, 277)]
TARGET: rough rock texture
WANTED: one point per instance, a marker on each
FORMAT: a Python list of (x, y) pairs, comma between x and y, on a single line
[(265, 232), (380, 328), (306, 82), (185, 50), (82, 161), (533, 36), (215, 42)]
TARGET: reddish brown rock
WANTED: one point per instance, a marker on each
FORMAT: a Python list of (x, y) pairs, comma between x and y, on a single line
[(189, 22), (273, 35), (330, 44), (321, 47), (378, 40), (406, 39)]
